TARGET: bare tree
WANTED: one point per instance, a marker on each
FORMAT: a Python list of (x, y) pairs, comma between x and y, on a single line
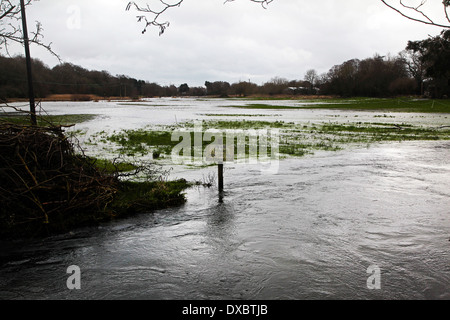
[(11, 27), (150, 16), (311, 76), (413, 59), (418, 12)]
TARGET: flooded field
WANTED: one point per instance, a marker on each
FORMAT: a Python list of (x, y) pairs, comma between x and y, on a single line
[(314, 230)]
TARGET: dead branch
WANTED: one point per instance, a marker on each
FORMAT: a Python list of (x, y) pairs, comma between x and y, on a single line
[(408, 11), (11, 30), (156, 14)]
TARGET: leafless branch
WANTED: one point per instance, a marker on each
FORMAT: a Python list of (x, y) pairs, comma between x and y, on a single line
[(161, 25), (446, 4), (264, 3), (156, 14), (409, 12), (7, 12), (11, 30), (417, 9)]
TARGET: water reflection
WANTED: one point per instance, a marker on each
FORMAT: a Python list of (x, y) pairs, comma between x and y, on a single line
[(220, 226)]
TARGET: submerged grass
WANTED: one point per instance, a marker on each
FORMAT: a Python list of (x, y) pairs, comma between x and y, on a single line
[(112, 166), (393, 105), (363, 104), (295, 139), (236, 115)]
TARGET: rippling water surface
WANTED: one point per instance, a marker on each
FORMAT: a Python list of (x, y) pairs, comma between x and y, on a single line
[(309, 232)]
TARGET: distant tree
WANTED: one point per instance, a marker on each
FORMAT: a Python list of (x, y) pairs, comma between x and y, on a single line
[(67, 78), (375, 77), (150, 16), (243, 88), (343, 79), (170, 91), (419, 13), (376, 74), (217, 88), (274, 86), (152, 90), (311, 77), (183, 89), (435, 55), (412, 56), (197, 91)]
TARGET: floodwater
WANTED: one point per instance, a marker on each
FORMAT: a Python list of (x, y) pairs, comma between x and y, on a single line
[(314, 230)]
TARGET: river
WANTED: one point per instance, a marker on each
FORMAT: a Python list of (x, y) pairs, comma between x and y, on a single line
[(315, 230)]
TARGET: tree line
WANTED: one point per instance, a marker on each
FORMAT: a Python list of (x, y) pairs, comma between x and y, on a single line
[(70, 79), (423, 68)]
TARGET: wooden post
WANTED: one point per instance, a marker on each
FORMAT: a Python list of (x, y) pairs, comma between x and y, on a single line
[(28, 59), (220, 177)]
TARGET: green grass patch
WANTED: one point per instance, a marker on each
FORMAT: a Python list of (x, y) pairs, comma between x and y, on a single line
[(141, 197), (392, 105), (142, 105), (142, 141), (262, 107), (112, 166), (236, 115), (364, 104), (295, 139), (245, 124)]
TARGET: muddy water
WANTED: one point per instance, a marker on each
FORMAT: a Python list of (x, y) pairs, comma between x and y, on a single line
[(309, 232)]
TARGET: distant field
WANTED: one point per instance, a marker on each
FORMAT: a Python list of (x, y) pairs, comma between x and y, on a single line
[(295, 139), (364, 104)]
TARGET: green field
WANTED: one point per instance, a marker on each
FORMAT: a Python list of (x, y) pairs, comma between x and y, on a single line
[(363, 104)]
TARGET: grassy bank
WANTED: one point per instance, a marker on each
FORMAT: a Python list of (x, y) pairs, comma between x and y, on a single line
[(48, 185)]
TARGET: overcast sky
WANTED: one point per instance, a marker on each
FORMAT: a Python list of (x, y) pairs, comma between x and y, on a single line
[(209, 41)]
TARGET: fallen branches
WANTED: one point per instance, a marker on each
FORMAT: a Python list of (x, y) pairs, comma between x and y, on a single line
[(48, 185), (45, 184)]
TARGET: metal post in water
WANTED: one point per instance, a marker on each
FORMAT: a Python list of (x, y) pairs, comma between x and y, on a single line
[(220, 177), (28, 59)]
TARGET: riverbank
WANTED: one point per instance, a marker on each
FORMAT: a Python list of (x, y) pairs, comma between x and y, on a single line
[(48, 185)]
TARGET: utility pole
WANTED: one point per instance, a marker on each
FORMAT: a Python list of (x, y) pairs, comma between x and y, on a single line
[(28, 59)]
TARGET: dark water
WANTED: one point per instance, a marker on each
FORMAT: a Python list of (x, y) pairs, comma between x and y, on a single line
[(309, 232)]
